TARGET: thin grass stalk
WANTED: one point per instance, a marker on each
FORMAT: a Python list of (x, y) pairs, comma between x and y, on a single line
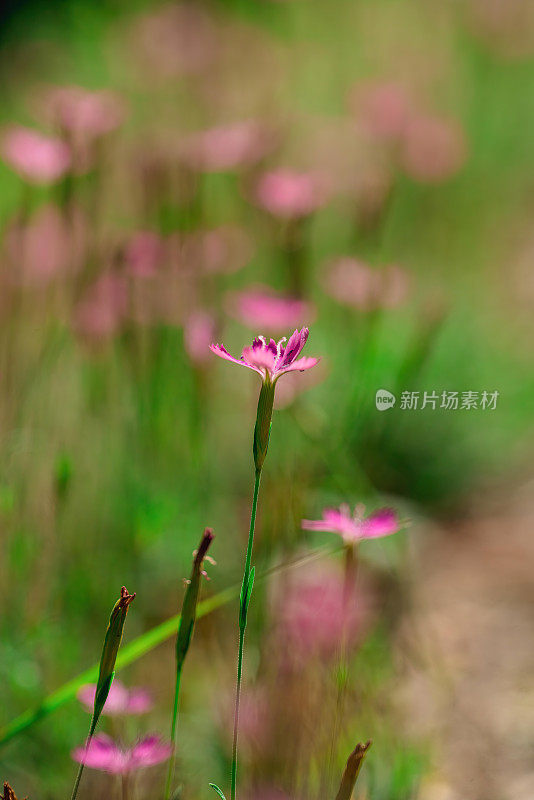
[(352, 770), (184, 636)]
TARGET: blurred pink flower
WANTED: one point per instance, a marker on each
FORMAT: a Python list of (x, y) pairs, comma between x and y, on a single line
[(288, 194), (103, 754), (144, 254), (199, 331), (273, 359), (316, 613), (224, 249), (433, 149), (101, 312), (384, 109), (353, 283), (83, 112), (47, 246), (295, 384), (35, 157), (120, 699), (355, 527), (176, 39), (262, 308), (254, 717), (227, 147)]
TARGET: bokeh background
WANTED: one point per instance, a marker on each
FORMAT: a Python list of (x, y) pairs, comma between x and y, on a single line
[(174, 174)]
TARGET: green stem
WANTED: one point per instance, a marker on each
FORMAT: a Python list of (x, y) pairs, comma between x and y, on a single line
[(82, 765), (243, 614), (172, 762)]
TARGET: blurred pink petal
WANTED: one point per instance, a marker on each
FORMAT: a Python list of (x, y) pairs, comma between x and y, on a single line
[(262, 308), (227, 147), (47, 246), (120, 699), (199, 332), (433, 149), (35, 157), (383, 109), (355, 527), (144, 254), (83, 112), (101, 312), (103, 754), (224, 249), (176, 39), (354, 283), (316, 613), (289, 194)]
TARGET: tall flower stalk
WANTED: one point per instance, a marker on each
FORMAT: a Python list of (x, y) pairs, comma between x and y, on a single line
[(270, 360), (112, 642), (184, 636)]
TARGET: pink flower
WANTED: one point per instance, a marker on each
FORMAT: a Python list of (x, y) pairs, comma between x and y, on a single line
[(288, 194), (353, 283), (433, 149), (353, 528), (120, 699), (144, 254), (102, 310), (199, 330), (224, 249), (262, 308), (103, 754), (86, 113), (46, 247), (317, 611), (36, 157), (227, 147), (272, 359), (384, 108), (176, 39)]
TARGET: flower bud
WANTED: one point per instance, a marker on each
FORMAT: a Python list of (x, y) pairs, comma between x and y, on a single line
[(110, 650), (262, 428), (189, 608)]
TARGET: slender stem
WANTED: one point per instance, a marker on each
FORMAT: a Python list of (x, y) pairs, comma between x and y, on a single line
[(77, 781), (125, 787), (172, 762), (243, 613)]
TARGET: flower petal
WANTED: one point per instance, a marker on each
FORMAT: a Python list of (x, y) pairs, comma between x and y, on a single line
[(148, 752), (381, 523), (294, 346), (219, 350), (102, 753), (301, 364)]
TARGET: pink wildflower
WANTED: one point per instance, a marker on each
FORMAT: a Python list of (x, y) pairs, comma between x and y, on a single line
[(288, 194), (199, 330), (433, 149), (272, 359), (227, 147), (100, 313), (316, 613), (262, 308), (120, 700), (353, 283), (384, 108), (35, 157), (85, 113), (144, 254), (355, 527), (103, 754)]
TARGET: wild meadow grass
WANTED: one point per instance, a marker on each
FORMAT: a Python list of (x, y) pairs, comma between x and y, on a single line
[(178, 175)]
